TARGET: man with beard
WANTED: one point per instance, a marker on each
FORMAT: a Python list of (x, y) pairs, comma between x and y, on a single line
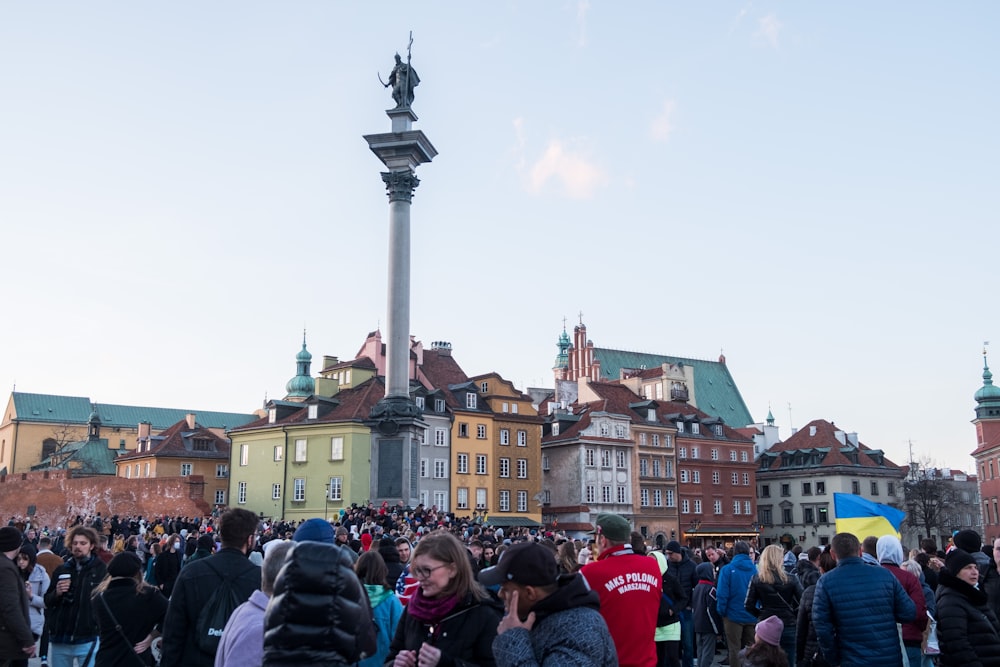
[(73, 628)]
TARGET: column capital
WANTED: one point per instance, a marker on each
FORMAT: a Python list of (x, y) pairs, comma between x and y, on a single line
[(399, 185)]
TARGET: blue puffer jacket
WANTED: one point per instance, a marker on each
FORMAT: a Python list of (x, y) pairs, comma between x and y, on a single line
[(734, 581), (855, 611)]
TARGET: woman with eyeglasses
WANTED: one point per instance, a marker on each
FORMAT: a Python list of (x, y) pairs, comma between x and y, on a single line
[(450, 620)]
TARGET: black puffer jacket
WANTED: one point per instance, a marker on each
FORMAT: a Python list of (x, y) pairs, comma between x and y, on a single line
[(807, 653), (968, 631), (778, 599), (319, 613)]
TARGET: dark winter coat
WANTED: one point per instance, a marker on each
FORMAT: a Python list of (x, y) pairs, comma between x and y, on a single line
[(465, 637), (806, 645), (807, 573), (71, 616), (683, 572), (192, 591), (777, 599), (706, 617), (569, 630), (855, 611), (137, 612), (15, 626), (967, 630), (319, 613), (166, 569)]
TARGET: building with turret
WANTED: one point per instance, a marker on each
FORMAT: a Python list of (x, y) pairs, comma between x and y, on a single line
[(987, 452)]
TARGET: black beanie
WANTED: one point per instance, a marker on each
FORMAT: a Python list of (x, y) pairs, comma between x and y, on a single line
[(957, 560), (10, 539), (968, 540), (125, 564)]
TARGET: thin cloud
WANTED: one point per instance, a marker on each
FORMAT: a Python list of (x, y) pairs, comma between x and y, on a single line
[(769, 28), (663, 125), (576, 175), (582, 9), (739, 17)]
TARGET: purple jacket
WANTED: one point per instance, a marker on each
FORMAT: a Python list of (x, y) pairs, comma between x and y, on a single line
[(242, 640)]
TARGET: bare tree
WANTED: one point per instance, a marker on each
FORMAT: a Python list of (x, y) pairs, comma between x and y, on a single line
[(930, 499)]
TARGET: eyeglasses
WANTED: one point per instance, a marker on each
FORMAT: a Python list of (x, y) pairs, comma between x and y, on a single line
[(424, 572)]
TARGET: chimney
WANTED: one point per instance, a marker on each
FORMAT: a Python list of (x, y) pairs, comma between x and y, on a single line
[(853, 438), (841, 437), (812, 431), (190, 420), (143, 431)]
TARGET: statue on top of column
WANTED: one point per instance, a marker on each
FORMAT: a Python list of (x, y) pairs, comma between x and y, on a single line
[(403, 80)]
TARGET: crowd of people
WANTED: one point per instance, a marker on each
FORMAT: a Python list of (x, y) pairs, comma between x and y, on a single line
[(394, 586)]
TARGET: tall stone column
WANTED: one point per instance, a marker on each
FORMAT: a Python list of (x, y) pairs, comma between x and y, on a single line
[(395, 420)]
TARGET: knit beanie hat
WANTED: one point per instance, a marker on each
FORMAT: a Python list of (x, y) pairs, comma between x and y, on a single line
[(314, 530), (769, 630), (10, 539), (957, 560), (968, 540), (125, 564)]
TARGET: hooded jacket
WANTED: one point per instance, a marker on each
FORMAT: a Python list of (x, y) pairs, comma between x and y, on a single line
[(706, 616), (967, 630), (386, 612), (319, 613), (569, 630), (890, 555), (15, 630), (734, 582)]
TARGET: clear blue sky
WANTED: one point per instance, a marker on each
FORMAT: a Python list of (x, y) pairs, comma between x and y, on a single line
[(810, 188)]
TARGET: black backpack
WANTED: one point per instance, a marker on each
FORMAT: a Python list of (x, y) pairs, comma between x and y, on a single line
[(215, 614)]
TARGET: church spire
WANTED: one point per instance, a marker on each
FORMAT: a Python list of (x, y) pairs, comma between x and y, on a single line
[(301, 386)]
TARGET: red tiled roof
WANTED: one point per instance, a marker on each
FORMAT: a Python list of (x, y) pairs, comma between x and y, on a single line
[(442, 369), (171, 442), (361, 362), (825, 438)]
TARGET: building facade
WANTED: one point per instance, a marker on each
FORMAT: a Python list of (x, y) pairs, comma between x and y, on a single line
[(987, 452), (796, 480)]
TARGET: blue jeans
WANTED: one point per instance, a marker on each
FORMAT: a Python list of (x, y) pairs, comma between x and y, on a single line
[(687, 638), (63, 655), (788, 643)]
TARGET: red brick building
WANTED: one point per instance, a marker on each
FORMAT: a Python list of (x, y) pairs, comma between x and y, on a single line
[(987, 452)]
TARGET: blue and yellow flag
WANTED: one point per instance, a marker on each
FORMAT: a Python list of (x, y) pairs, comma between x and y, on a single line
[(862, 517)]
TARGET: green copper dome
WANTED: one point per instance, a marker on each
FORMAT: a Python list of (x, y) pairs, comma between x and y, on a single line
[(562, 359), (302, 385), (989, 391)]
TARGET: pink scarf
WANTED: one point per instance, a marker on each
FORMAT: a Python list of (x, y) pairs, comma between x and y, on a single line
[(431, 610)]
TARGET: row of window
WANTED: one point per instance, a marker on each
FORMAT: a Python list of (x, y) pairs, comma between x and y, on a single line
[(694, 477), (815, 515), (334, 490), (482, 466), (654, 438), (619, 456), (714, 454), (221, 470), (462, 499), (819, 488), (667, 467), (301, 454), (609, 494), (522, 436)]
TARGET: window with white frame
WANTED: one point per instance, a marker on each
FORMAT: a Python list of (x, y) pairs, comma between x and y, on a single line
[(462, 464), (480, 464), (480, 499), (591, 496), (746, 507), (696, 477), (605, 494), (299, 490), (481, 431), (438, 405), (685, 506), (671, 502), (300, 450), (732, 455), (484, 387), (244, 454), (656, 440), (276, 492), (716, 477), (137, 470), (471, 400), (715, 453), (622, 497), (743, 457), (522, 468), (656, 467), (241, 493), (504, 467), (746, 479), (642, 439), (605, 429), (505, 436), (545, 461), (619, 430), (522, 438), (620, 458), (419, 400), (588, 457), (337, 448), (186, 469), (425, 498), (644, 497), (128, 472), (221, 470), (684, 476), (717, 506), (736, 478), (695, 428), (680, 425), (513, 408), (504, 501), (694, 452), (605, 458), (279, 452), (657, 498), (697, 506), (717, 429), (272, 415), (336, 488), (736, 507), (423, 467), (668, 469), (555, 428), (682, 452), (441, 500), (146, 471), (313, 411), (643, 467), (441, 437), (462, 498), (440, 469), (522, 501), (505, 407)]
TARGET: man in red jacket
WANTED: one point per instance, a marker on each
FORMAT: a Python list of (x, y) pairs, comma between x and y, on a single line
[(630, 589)]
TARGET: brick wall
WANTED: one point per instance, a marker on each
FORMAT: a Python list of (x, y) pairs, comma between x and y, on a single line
[(57, 497)]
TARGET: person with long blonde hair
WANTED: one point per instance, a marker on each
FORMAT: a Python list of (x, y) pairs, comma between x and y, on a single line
[(773, 592)]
